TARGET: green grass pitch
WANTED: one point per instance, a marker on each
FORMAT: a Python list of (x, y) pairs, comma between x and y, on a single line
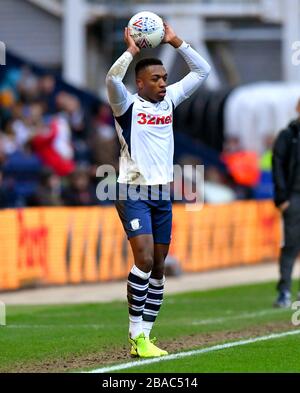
[(92, 336)]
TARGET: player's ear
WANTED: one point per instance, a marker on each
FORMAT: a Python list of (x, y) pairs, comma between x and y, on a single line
[(298, 106), (139, 83)]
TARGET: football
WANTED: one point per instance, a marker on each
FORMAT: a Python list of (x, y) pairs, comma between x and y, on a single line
[(147, 29)]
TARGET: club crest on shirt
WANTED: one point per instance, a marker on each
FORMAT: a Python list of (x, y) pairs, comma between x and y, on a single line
[(164, 105), (135, 224)]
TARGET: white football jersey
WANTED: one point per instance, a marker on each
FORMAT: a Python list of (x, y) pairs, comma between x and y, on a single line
[(147, 145), (145, 129)]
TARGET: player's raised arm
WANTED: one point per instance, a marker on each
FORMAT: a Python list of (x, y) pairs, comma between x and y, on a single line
[(199, 68), (118, 95)]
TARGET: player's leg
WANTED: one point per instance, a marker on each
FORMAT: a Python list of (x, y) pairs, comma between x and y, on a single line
[(141, 290), (137, 292), (138, 281), (136, 219), (137, 222), (156, 288), (161, 228)]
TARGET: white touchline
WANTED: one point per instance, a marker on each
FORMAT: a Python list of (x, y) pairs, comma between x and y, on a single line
[(179, 355)]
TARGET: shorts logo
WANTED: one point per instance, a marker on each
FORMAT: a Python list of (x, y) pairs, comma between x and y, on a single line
[(135, 224)]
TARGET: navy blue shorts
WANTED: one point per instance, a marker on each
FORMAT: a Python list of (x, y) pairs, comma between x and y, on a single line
[(150, 214)]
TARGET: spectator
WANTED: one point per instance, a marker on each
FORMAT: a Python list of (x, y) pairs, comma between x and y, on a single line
[(8, 141), (69, 106), (105, 145), (7, 102), (215, 191), (243, 167), (286, 175), (28, 117), (28, 86), (3, 201), (264, 189), (80, 191), (47, 90), (8, 195), (51, 144), (48, 192), (266, 157), (70, 110)]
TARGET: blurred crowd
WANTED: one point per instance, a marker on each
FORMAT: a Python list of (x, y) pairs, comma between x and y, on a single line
[(247, 174), (50, 144)]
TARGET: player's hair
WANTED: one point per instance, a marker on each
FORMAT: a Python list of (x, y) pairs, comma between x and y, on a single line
[(140, 65)]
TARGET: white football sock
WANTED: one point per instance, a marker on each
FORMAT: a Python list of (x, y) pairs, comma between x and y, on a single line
[(147, 327), (138, 282)]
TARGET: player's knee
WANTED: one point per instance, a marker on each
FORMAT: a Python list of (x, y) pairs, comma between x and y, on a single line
[(146, 262)]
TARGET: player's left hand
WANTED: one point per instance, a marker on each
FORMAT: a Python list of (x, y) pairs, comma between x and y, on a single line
[(169, 34), (171, 37)]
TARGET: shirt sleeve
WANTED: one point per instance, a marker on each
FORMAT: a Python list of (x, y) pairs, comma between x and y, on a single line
[(119, 97), (199, 71)]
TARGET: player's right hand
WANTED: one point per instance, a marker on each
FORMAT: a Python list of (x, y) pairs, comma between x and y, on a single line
[(131, 45)]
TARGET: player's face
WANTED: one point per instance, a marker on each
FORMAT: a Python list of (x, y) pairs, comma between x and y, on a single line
[(152, 83)]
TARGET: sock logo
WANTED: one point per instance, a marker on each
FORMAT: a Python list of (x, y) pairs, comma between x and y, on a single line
[(135, 224)]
